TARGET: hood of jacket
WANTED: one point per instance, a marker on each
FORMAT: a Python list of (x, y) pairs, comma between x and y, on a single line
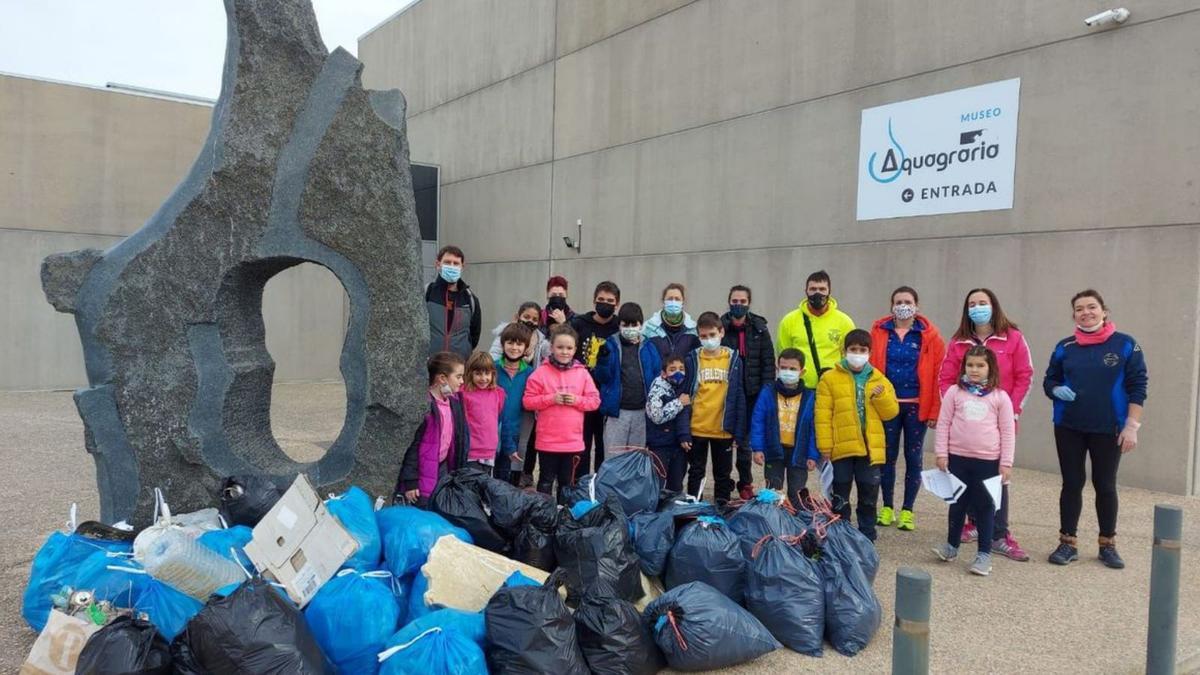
[(654, 325)]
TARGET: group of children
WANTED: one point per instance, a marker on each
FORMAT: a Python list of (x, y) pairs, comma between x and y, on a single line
[(689, 407)]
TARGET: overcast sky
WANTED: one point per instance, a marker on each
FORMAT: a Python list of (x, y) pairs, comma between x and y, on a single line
[(173, 45)]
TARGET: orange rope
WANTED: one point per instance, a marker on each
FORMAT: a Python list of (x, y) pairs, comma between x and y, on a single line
[(758, 546), (675, 627)]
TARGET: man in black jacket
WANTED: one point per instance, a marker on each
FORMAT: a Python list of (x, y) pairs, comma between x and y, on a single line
[(594, 329), (748, 335), (455, 318)]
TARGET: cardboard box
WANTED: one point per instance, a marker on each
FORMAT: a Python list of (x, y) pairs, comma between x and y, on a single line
[(299, 543), (57, 648)]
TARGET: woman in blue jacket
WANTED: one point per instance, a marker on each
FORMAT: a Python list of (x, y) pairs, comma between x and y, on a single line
[(1097, 379)]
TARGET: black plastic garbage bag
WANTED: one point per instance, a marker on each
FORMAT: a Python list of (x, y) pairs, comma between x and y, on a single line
[(597, 547), (854, 546), (852, 611), (635, 478), (683, 508), (762, 516), (698, 628), (246, 499), (509, 505), (612, 636), (785, 591), (530, 630), (534, 544), (253, 631), (456, 498), (126, 647), (184, 660), (653, 537), (708, 551)]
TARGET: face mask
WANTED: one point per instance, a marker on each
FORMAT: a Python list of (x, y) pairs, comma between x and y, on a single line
[(605, 310), (531, 325), (711, 343), (739, 311), (631, 333), (450, 273), (676, 377), (857, 361), (980, 314), (1093, 329), (904, 312), (673, 307), (446, 391), (789, 377), (817, 300), (557, 302), (561, 366)]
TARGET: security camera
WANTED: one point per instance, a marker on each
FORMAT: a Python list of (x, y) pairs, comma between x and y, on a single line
[(1118, 15), (568, 241)]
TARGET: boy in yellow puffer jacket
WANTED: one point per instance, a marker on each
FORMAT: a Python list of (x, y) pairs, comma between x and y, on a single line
[(853, 402)]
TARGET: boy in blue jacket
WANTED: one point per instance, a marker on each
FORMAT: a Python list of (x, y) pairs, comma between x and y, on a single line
[(624, 372), (781, 427), (669, 420), (516, 423)]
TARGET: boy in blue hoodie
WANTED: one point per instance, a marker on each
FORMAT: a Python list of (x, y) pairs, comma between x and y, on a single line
[(516, 423), (624, 372), (781, 427), (669, 420)]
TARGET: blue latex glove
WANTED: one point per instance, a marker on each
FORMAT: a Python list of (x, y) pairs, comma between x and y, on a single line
[(1063, 393)]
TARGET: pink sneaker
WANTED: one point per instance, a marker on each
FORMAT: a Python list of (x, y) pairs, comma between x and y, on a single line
[(969, 533), (1009, 548)]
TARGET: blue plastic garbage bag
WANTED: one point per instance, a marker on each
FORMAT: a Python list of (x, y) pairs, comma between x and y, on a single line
[(356, 512), (54, 566), (764, 515), (698, 628), (635, 478), (230, 543), (683, 508), (653, 537), (470, 624), (597, 547), (409, 534), (352, 617), (168, 609), (417, 587), (708, 551), (530, 630), (612, 636), (785, 591), (434, 651), (111, 577), (852, 610), (854, 547)]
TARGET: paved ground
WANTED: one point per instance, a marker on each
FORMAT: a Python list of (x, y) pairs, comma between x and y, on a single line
[(1029, 617)]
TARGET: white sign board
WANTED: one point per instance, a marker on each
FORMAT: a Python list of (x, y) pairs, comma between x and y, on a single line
[(946, 153)]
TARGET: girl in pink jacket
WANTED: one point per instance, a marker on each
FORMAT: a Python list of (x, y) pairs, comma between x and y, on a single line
[(976, 439), (985, 323), (483, 402), (559, 392)]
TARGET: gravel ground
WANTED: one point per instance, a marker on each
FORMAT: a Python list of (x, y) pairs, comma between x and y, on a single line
[(1029, 617)]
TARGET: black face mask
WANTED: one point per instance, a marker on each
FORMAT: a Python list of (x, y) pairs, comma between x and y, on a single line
[(817, 300), (739, 311), (605, 310), (557, 302)]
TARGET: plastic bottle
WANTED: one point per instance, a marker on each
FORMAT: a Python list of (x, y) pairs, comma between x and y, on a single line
[(175, 558)]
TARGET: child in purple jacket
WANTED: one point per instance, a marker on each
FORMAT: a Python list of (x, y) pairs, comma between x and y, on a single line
[(442, 441)]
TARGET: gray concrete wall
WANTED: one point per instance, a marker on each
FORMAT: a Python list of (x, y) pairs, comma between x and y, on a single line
[(716, 141), (82, 167)]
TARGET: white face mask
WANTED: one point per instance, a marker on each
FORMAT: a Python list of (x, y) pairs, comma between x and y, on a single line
[(904, 312), (857, 361), (711, 343), (631, 333)]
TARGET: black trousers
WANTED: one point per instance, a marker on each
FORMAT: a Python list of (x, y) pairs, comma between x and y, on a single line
[(1073, 450), (745, 465), (557, 467), (975, 499), (721, 450), (857, 471), (531, 451), (675, 460), (593, 441)]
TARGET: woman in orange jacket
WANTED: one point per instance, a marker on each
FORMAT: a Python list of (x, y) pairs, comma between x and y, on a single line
[(908, 349)]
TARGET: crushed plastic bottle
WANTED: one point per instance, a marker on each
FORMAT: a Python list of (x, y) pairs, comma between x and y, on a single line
[(177, 559)]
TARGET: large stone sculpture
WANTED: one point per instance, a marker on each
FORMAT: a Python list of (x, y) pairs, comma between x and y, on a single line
[(301, 165)]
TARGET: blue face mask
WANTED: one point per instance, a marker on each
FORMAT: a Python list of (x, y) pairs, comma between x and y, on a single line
[(450, 274), (673, 307), (789, 377), (676, 378), (980, 314)]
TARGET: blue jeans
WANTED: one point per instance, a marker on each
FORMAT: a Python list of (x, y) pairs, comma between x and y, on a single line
[(914, 439)]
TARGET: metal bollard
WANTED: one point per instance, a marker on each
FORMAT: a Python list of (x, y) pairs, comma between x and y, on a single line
[(1164, 590), (910, 637)]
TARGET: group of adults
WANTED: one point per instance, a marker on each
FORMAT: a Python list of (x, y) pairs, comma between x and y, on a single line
[(1096, 378)]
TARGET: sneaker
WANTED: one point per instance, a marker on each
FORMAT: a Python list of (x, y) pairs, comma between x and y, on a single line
[(1110, 557), (982, 565), (970, 533), (1064, 554), (1009, 548), (907, 524), (945, 552), (886, 517)]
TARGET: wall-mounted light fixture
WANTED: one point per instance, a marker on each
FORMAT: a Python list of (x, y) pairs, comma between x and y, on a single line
[(577, 242), (1118, 15)]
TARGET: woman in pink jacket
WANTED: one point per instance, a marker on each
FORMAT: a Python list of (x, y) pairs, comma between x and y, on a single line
[(559, 392), (984, 323), (976, 439)]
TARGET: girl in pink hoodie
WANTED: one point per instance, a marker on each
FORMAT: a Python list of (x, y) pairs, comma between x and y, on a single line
[(976, 439), (483, 402), (559, 392)]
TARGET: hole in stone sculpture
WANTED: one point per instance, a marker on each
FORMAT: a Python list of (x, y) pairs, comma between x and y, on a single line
[(305, 309)]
